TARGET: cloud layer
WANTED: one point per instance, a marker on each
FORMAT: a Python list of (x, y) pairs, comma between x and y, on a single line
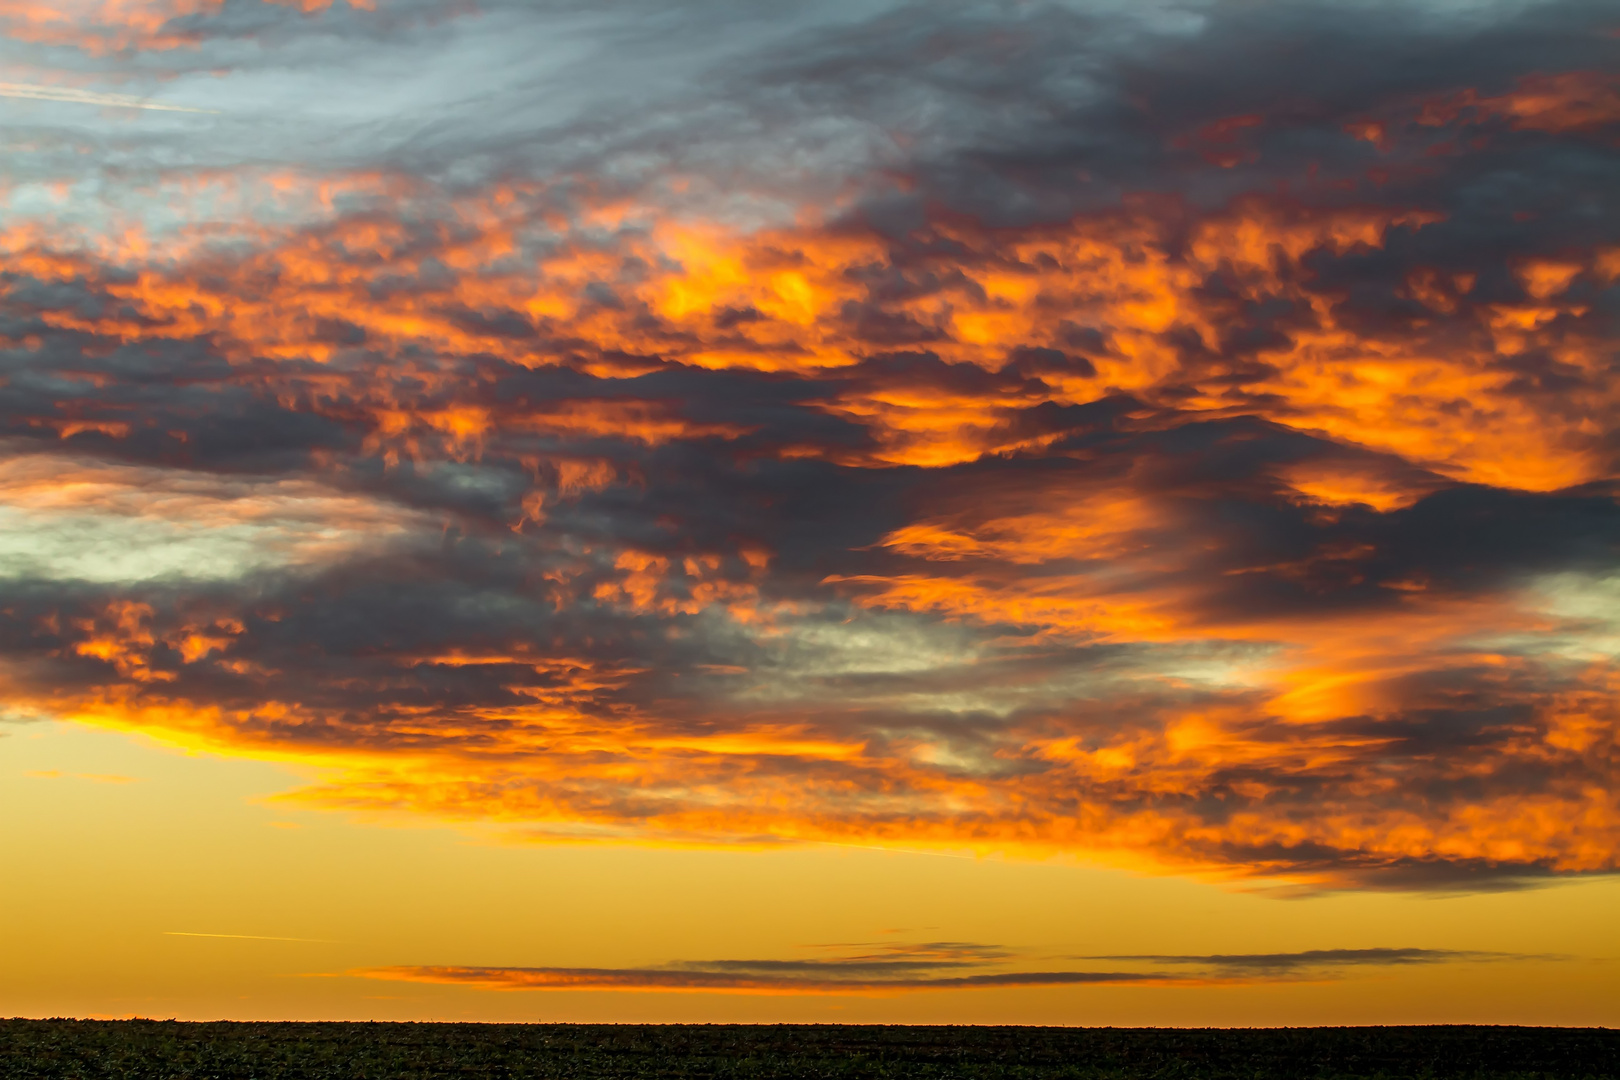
[(900, 968), (1181, 435)]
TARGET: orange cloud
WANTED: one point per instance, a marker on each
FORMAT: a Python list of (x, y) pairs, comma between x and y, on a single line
[(1442, 401), (1145, 535)]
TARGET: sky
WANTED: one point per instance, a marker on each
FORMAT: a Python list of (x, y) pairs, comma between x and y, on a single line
[(971, 511)]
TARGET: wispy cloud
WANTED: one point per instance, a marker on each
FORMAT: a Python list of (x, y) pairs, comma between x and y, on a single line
[(753, 977), (1277, 963), (907, 968), (94, 778), (33, 92), (248, 937)]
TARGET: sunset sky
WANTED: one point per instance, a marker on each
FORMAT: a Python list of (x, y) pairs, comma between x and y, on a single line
[(1066, 511)]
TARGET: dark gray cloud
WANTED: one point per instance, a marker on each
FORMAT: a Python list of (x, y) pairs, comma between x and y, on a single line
[(1320, 959), (937, 966)]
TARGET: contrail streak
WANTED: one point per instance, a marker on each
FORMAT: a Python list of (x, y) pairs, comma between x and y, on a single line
[(88, 97), (249, 937)]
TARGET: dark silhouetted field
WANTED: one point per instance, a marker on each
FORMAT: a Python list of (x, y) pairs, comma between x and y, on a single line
[(160, 1050)]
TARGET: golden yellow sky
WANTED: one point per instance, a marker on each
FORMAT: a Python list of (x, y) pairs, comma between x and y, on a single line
[(119, 847)]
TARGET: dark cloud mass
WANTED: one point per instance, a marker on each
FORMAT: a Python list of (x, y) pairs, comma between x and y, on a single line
[(1182, 435)]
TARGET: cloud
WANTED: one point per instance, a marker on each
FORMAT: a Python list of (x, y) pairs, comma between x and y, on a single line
[(908, 968), (892, 967), (68, 519), (30, 92), (1320, 959), (245, 937), (1173, 435), (98, 778), (736, 983), (656, 979)]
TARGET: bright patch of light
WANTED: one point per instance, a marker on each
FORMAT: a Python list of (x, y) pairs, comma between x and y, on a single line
[(64, 519)]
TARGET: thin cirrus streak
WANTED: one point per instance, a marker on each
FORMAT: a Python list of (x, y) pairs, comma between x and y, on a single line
[(30, 92), (96, 778), (247, 937), (657, 979), (1251, 516), (891, 974), (1323, 958)]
